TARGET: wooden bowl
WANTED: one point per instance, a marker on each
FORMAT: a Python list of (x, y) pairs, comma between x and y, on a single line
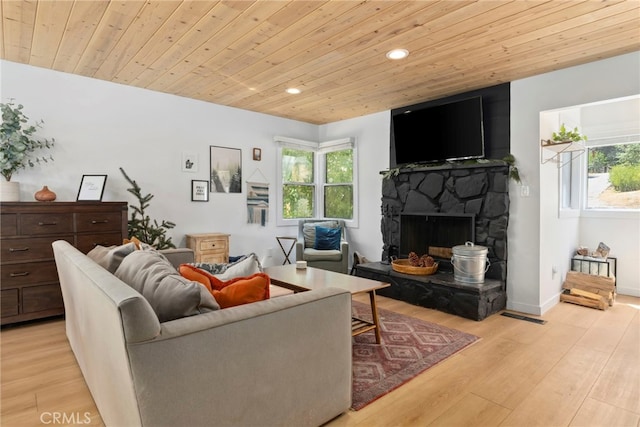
[(403, 266)]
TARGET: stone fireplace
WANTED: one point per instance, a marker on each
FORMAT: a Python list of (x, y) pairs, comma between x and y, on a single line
[(480, 190), (430, 210)]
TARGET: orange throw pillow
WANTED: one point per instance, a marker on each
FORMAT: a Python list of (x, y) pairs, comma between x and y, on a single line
[(194, 274), (241, 290), (135, 240)]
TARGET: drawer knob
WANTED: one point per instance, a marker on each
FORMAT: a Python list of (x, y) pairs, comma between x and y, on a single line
[(213, 245), (18, 249), (24, 273), (104, 221), (47, 223)]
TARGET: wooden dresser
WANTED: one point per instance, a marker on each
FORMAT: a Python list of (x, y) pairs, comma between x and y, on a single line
[(211, 248), (28, 277)]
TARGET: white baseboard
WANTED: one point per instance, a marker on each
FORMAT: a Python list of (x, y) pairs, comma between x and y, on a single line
[(633, 292), (523, 308)]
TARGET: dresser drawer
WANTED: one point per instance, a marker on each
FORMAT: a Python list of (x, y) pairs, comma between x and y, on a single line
[(10, 302), (212, 245), (29, 248), (49, 223), (86, 242), (40, 298), (13, 275), (8, 225), (99, 222)]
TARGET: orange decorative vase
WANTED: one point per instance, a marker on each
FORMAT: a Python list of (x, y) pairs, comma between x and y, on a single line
[(45, 195)]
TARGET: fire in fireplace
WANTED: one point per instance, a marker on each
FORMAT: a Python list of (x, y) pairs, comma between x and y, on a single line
[(435, 233)]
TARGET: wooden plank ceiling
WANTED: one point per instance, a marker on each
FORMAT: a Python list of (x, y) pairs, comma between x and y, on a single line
[(245, 54)]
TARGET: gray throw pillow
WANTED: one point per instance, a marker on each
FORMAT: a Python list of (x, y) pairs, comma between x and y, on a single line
[(110, 257), (309, 231), (171, 296)]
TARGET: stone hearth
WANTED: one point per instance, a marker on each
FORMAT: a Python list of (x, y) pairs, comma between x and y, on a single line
[(478, 189)]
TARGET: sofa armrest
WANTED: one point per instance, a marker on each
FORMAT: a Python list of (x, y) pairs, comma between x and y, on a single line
[(268, 362), (177, 256)]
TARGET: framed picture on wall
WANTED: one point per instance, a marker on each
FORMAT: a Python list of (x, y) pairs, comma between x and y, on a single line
[(226, 170), (257, 154), (189, 162), (199, 190), (91, 188)]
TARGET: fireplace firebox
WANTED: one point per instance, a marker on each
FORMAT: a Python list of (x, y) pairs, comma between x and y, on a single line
[(435, 234)]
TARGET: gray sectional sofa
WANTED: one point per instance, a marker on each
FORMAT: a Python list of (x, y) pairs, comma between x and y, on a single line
[(285, 361)]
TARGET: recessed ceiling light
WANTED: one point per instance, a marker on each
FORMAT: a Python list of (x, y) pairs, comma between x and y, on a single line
[(293, 91), (397, 54)]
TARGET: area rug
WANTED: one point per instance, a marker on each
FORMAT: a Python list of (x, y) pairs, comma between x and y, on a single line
[(408, 347)]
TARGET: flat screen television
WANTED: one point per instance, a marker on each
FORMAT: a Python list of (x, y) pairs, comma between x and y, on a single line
[(451, 131)]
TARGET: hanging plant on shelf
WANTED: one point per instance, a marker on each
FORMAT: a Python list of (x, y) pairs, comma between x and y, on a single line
[(564, 135)]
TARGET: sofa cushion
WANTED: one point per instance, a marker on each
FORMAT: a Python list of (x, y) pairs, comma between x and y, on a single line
[(110, 257), (327, 239), (170, 295), (311, 254), (241, 290), (309, 231)]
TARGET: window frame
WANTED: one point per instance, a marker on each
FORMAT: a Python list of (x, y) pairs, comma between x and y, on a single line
[(320, 150)]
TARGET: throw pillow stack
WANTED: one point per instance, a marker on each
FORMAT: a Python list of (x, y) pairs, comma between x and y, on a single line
[(240, 282), (322, 235), (192, 290)]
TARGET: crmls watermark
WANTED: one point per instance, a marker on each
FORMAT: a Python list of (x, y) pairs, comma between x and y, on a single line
[(65, 418)]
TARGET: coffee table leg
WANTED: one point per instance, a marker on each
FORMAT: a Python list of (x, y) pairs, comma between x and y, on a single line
[(374, 314)]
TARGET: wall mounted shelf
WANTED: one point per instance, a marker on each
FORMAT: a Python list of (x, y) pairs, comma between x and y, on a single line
[(558, 148)]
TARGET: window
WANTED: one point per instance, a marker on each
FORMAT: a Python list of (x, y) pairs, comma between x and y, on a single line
[(613, 175), (298, 183), (338, 184), (316, 180)]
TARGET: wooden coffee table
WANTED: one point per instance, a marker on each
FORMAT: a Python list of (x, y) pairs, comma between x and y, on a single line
[(300, 280)]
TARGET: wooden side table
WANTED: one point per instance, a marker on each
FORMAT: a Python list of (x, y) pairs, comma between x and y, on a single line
[(211, 248), (286, 252)]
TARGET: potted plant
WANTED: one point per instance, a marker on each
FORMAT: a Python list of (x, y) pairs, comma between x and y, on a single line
[(17, 148), (566, 135)]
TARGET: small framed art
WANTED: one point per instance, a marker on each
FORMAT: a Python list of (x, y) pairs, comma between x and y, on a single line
[(189, 162), (257, 154), (199, 190), (91, 188)]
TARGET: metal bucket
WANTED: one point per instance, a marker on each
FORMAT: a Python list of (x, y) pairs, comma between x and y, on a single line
[(469, 263)]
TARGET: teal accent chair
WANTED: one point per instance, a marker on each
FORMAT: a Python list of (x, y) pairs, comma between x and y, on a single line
[(333, 260)]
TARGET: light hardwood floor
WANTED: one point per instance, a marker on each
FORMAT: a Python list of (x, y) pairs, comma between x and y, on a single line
[(581, 368)]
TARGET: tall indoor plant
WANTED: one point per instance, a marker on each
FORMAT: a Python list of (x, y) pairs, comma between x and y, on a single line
[(18, 147)]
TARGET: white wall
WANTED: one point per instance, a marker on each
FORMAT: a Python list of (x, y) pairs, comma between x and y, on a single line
[(538, 239), (372, 136), (100, 126)]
